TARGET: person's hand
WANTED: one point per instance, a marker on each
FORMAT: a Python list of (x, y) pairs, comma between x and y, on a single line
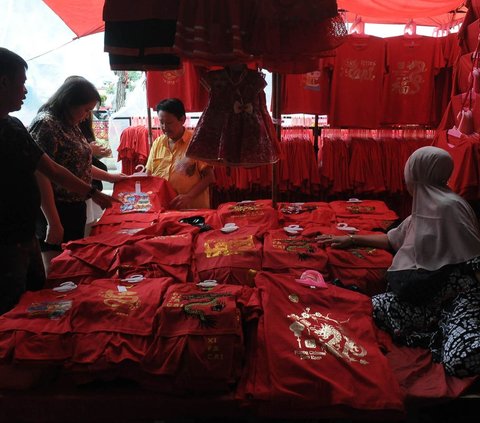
[(343, 241), (181, 201), (98, 150), (103, 200), (117, 177), (54, 234)]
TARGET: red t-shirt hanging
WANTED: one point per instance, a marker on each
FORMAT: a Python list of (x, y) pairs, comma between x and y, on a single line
[(357, 83), (465, 151), (409, 89), (307, 93), (183, 83)]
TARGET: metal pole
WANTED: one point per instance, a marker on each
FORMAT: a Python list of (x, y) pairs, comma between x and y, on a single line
[(277, 120), (149, 116)]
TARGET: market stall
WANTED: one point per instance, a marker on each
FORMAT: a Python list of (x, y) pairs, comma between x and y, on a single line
[(287, 331)]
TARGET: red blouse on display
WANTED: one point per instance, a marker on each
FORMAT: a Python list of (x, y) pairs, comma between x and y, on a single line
[(307, 93), (358, 73), (465, 178), (412, 64)]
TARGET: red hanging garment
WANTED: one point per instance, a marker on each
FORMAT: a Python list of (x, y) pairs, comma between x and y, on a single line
[(465, 178), (234, 130), (409, 89), (357, 82), (307, 93), (183, 83)]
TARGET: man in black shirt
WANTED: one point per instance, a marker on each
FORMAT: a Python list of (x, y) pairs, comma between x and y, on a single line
[(21, 265)]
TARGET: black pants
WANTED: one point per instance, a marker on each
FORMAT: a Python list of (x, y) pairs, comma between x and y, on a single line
[(73, 217), (21, 269)]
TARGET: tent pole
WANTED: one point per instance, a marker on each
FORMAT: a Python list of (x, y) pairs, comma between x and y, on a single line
[(149, 125), (149, 116), (277, 120), (316, 133)]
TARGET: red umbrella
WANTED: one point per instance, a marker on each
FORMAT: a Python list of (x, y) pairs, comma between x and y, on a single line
[(83, 17)]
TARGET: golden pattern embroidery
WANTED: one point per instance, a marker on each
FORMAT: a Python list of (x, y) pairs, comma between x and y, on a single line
[(245, 210), (172, 77), (228, 247), (323, 335), (199, 305), (360, 251), (409, 77), (295, 244), (360, 209), (122, 303)]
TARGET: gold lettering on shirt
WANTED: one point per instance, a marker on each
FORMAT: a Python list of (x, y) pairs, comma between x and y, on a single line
[(228, 247), (122, 303), (408, 77), (321, 335), (242, 210), (294, 245), (360, 209), (359, 70)]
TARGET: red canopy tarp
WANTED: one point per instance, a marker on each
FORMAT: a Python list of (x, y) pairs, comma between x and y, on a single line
[(83, 17)]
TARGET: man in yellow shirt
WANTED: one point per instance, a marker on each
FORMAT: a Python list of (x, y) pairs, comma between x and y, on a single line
[(189, 178)]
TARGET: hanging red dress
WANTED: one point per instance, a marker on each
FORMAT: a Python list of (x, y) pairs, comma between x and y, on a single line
[(235, 129)]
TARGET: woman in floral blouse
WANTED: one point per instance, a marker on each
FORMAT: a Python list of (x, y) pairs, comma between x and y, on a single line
[(56, 130)]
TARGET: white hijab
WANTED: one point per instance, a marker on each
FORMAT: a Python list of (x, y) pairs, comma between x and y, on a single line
[(442, 228)]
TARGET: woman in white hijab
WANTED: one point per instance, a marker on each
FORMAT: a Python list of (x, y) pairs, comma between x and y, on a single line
[(434, 297)]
